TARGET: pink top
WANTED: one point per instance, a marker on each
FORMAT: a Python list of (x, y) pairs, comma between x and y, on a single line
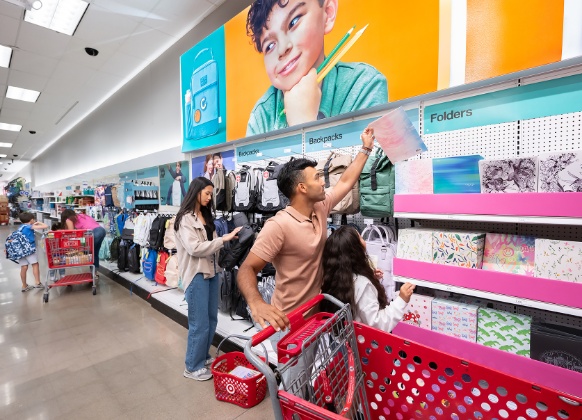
[(85, 222)]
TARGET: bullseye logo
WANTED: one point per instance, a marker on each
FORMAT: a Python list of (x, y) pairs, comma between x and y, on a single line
[(230, 389)]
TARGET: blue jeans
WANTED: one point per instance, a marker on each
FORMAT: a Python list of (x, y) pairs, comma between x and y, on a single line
[(202, 298), (98, 236)]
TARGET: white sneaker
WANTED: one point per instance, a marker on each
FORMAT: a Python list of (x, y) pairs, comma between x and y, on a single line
[(198, 375), (209, 361)]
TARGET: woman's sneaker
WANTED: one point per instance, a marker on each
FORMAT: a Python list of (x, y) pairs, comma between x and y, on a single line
[(209, 361), (198, 375)]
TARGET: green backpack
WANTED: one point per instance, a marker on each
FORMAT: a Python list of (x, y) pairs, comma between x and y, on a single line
[(377, 187)]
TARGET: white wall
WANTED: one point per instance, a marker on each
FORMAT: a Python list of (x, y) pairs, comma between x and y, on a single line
[(142, 118)]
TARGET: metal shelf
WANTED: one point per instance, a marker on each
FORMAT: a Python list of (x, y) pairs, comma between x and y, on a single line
[(492, 218)]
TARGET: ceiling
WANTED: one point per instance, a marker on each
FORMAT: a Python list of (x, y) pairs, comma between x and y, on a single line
[(129, 34)]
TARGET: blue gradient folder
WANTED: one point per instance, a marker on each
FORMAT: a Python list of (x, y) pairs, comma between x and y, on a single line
[(456, 175)]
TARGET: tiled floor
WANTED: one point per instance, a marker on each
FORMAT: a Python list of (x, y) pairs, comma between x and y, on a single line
[(109, 356)]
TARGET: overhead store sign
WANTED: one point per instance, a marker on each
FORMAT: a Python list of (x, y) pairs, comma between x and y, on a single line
[(234, 85), (273, 149), (543, 99)]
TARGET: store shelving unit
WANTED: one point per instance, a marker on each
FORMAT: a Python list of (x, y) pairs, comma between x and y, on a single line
[(538, 208)]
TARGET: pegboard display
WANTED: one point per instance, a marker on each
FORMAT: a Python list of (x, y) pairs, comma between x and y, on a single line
[(559, 133), (491, 141), (510, 228), (561, 232)]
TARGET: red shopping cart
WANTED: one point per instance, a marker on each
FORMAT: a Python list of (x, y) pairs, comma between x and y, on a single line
[(67, 249), (319, 367)]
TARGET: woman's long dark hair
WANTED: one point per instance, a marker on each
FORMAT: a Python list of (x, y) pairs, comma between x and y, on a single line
[(70, 215), (344, 256), (189, 203)]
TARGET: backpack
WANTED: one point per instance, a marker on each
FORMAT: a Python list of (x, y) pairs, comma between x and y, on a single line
[(244, 194), (234, 252), (377, 187), (170, 234), (157, 232), (226, 290), (333, 168), (160, 276), (171, 273), (109, 196), (230, 186), (123, 251), (114, 249), (270, 199), (149, 264), (18, 246), (221, 226), (104, 252), (219, 193), (133, 259)]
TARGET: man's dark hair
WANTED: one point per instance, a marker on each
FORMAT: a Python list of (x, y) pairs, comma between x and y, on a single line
[(217, 154), (25, 217), (258, 16), (291, 175)]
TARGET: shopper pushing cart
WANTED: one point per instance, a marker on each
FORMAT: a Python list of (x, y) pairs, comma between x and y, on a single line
[(68, 249)]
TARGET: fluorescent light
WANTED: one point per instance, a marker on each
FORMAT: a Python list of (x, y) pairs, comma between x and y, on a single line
[(10, 127), (1, 156), (5, 144), (5, 55), (20, 94), (59, 15)]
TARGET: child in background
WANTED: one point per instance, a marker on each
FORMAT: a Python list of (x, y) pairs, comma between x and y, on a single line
[(290, 35), (348, 275), (29, 225)]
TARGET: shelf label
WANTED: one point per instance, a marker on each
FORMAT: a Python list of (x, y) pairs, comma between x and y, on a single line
[(271, 149)]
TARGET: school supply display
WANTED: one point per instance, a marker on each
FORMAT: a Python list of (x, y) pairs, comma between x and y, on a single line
[(414, 177), (455, 319), (415, 244), (558, 260), (332, 169), (456, 175), (460, 248), (509, 253), (560, 172), (397, 136), (418, 312), (557, 345), (504, 331), (517, 175)]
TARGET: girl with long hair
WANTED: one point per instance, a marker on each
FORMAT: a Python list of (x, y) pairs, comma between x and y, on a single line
[(208, 167), (71, 220), (197, 246), (348, 275)]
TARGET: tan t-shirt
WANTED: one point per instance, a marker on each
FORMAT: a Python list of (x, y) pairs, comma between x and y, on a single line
[(294, 244)]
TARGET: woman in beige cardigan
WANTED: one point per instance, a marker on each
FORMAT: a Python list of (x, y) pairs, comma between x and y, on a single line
[(197, 246)]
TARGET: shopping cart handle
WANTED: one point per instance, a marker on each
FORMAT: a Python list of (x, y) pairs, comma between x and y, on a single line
[(296, 319)]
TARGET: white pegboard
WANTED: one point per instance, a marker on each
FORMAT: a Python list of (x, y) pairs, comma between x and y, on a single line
[(510, 228), (551, 317), (559, 133), (492, 142), (561, 232)]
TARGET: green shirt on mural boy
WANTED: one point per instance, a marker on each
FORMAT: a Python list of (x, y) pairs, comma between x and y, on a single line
[(290, 35)]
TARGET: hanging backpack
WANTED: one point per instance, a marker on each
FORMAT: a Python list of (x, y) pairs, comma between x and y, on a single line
[(332, 169), (226, 290), (114, 249), (109, 196), (160, 276), (234, 252), (157, 232), (219, 193), (244, 194), (170, 234), (104, 251), (171, 273), (149, 264), (18, 246), (230, 186), (221, 226), (133, 259), (270, 199), (381, 248), (123, 251), (377, 187)]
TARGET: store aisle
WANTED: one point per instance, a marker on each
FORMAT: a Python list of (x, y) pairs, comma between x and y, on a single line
[(109, 356)]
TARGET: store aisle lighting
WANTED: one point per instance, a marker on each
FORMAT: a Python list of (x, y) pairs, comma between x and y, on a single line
[(5, 144), (5, 55), (59, 15), (20, 94), (2, 156), (10, 127)]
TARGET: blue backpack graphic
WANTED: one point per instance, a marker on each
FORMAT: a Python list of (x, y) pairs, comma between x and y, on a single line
[(18, 246), (149, 264)]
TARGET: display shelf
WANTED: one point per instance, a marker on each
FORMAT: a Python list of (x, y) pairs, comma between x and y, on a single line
[(145, 202), (551, 295), (538, 208), (560, 379)]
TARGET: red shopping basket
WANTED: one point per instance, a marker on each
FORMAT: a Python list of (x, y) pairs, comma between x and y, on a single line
[(245, 393)]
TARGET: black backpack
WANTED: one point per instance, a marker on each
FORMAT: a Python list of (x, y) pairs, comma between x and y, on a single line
[(114, 249), (133, 259), (157, 232), (227, 289), (234, 252), (122, 257)]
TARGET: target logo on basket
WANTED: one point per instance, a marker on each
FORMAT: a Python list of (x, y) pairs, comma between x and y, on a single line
[(70, 244)]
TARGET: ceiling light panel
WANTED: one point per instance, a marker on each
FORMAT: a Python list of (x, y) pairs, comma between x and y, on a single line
[(2, 156), (20, 94), (5, 144), (10, 127), (59, 15), (5, 55)]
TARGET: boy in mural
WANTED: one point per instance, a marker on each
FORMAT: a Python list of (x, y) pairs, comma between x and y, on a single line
[(178, 176), (290, 35)]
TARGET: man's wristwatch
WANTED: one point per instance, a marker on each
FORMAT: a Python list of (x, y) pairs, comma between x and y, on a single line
[(365, 151)]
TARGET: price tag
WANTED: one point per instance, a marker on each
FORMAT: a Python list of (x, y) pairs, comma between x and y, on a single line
[(519, 301), (449, 288), (450, 217), (522, 220), (286, 150), (259, 154), (368, 222), (327, 145)]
